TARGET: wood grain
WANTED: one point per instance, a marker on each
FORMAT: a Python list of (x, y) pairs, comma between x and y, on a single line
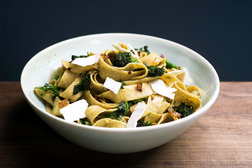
[(221, 138)]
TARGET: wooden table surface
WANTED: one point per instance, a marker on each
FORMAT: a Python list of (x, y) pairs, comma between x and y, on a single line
[(221, 138)]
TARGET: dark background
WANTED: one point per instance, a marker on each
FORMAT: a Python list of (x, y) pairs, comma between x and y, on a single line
[(218, 30)]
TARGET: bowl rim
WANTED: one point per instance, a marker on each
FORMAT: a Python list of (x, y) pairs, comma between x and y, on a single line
[(201, 111)]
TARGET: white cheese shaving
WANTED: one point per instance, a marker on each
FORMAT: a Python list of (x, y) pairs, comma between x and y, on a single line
[(90, 60), (74, 111), (133, 51), (159, 87), (187, 79), (136, 115), (112, 85)]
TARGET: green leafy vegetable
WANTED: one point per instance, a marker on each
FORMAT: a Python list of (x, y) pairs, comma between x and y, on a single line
[(85, 121), (132, 102), (80, 56), (123, 84), (170, 65), (122, 110), (141, 123), (144, 49), (112, 115), (183, 109), (56, 77), (83, 85), (133, 60), (49, 87), (155, 71), (122, 59)]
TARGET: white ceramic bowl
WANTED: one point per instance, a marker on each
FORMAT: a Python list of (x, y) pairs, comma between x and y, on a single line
[(118, 140)]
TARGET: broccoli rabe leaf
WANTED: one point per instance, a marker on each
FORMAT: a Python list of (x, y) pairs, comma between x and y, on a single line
[(49, 87), (183, 109), (170, 65), (122, 59), (112, 115), (155, 71), (80, 56), (141, 123), (122, 110), (144, 49), (132, 102), (83, 85), (123, 84), (85, 121), (56, 77), (133, 60)]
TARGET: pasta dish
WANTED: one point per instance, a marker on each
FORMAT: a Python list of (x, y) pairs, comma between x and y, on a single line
[(122, 87)]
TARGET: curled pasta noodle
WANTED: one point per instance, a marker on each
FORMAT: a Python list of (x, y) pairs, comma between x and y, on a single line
[(93, 101), (96, 85), (153, 59), (129, 72), (128, 93)]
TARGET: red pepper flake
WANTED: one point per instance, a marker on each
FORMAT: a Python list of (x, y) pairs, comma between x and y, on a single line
[(139, 87), (162, 55), (129, 72), (138, 53), (63, 103)]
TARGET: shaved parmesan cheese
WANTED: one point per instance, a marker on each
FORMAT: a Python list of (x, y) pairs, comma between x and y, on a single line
[(159, 87), (187, 79), (74, 111), (112, 85), (136, 115), (133, 51), (90, 60)]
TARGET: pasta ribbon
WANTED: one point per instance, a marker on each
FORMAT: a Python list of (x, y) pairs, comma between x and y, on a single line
[(153, 59), (94, 111), (107, 122), (128, 93), (186, 97), (93, 101), (129, 72)]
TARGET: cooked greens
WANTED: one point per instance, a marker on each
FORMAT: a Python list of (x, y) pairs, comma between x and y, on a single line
[(183, 109), (122, 59), (123, 108), (85, 121), (170, 65), (123, 84), (155, 71), (141, 123), (49, 87), (56, 77), (132, 102), (80, 56), (144, 49), (83, 85)]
